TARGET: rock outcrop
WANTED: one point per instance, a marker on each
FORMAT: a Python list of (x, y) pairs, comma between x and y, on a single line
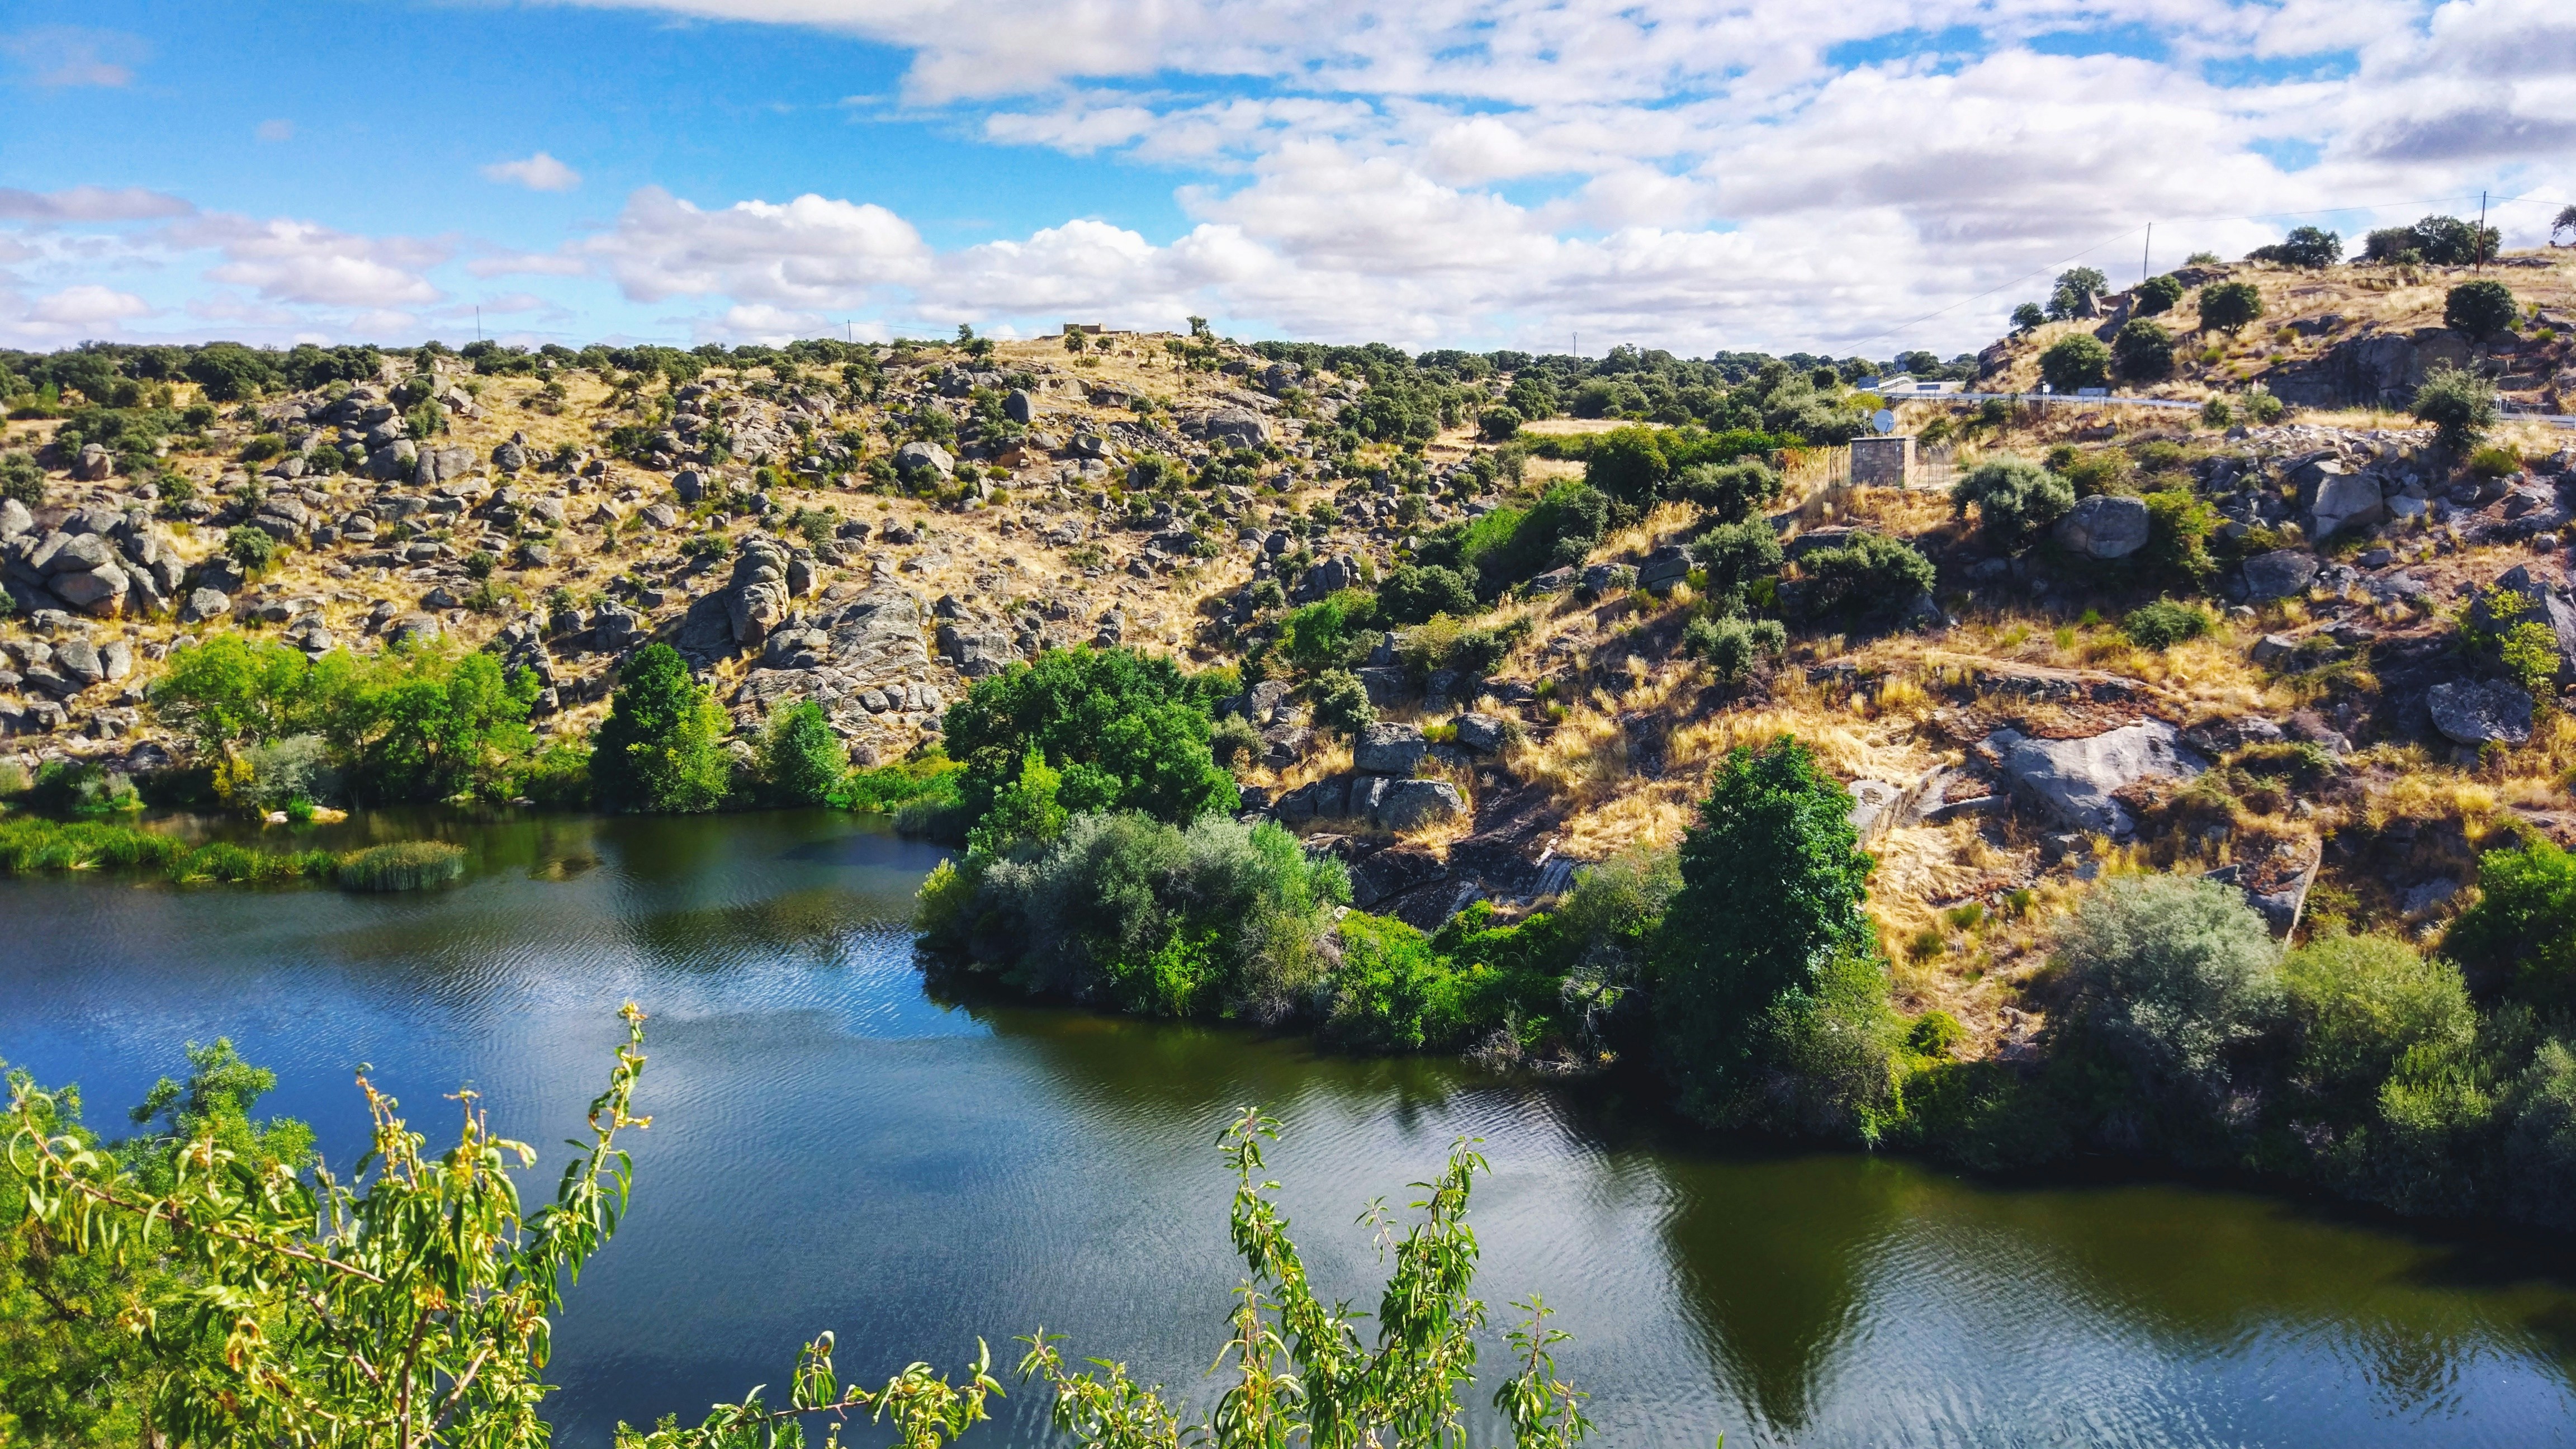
[(2073, 782)]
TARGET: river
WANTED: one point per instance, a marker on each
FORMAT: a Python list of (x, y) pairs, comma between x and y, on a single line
[(833, 1149)]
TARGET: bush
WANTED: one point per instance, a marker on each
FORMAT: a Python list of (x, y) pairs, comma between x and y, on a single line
[(2459, 404), (1342, 702), (1735, 556), (658, 750), (2480, 309), (2261, 406), (1873, 574), (410, 866), (1497, 425), (2075, 361), (22, 480), (1412, 593), (2029, 316), (2231, 307), (801, 759), (2015, 498), (254, 549), (1729, 492), (1128, 731), (2217, 413), (2164, 623), (1731, 644), (2359, 1005), (2494, 462), (1773, 881), (1220, 918), (2158, 295), (2143, 349), (2171, 977), (2305, 246), (2519, 939)]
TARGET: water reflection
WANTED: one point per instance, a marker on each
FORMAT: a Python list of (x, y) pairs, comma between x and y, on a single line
[(836, 1148)]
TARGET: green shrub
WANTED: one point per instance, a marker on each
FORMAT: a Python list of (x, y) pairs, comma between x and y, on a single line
[(1498, 424), (2074, 361), (2494, 461), (1732, 643), (255, 549), (2519, 939), (1736, 556), (262, 447), (2157, 295), (1729, 492), (2480, 309), (1128, 731), (558, 777), (1872, 574), (2143, 349), (2262, 406), (2459, 404), (2360, 1005), (1772, 885), (801, 759), (882, 789), (2230, 307), (2171, 977), (22, 480), (1234, 738), (1342, 702), (2217, 413), (409, 866), (1412, 593), (1321, 635), (658, 750), (2015, 499), (2164, 623)]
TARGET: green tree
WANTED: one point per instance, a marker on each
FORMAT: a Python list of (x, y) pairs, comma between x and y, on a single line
[(2231, 307), (2481, 309), (2170, 977), (1025, 811), (22, 480), (801, 759), (2157, 295), (1412, 593), (657, 752), (1773, 881), (1128, 731), (2076, 360), (2028, 317), (1342, 702), (2015, 498), (2306, 246), (2077, 292), (2143, 349), (2519, 939), (1628, 464), (2459, 404)]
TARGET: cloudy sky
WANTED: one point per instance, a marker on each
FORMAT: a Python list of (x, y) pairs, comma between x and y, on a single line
[(1858, 177)]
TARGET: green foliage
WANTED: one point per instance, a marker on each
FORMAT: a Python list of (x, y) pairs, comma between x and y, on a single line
[(2494, 461), (1321, 634), (406, 1306), (658, 750), (881, 789), (1128, 731), (1770, 902), (408, 866), (1731, 644), (2028, 317), (2481, 309), (1219, 918), (1736, 556), (1342, 702), (2015, 498), (2519, 939), (2459, 404), (2076, 360), (1498, 425), (2158, 295), (2179, 527), (2305, 246), (2231, 307), (2360, 1006), (2164, 623), (2143, 350), (2170, 978), (1729, 492), (1412, 593), (22, 480), (256, 550), (29, 846), (1399, 990), (1872, 574), (801, 759), (2217, 413)]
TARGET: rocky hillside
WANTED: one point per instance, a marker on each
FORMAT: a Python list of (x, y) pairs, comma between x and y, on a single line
[(2336, 725)]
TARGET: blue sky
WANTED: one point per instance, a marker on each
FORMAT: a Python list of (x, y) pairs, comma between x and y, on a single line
[(1445, 172)]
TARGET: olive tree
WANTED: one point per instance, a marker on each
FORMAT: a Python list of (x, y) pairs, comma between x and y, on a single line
[(2014, 498), (2481, 309), (2170, 976), (2231, 307), (2076, 360)]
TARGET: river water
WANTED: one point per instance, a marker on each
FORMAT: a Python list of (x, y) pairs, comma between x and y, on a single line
[(833, 1149)]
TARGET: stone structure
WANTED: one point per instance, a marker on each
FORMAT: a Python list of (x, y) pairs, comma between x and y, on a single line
[(1882, 462)]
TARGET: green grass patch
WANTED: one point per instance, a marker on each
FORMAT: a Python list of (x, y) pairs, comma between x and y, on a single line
[(407, 866)]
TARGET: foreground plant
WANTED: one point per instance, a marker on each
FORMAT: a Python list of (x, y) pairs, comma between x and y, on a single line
[(1299, 1371)]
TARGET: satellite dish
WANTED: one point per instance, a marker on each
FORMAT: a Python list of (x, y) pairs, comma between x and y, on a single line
[(1883, 420)]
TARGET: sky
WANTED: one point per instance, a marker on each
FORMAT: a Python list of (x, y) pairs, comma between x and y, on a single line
[(1863, 177)]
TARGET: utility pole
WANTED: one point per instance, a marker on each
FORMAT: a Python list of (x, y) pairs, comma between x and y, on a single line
[(2478, 244), (2147, 251), (478, 312)]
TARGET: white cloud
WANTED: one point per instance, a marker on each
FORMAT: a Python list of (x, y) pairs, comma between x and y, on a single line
[(803, 254), (90, 203), (67, 56), (275, 130), (300, 262), (87, 306), (540, 172)]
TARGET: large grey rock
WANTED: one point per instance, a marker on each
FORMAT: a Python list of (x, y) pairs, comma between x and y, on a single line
[(2481, 711), (1664, 568), (92, 463), (755, 609), (2544, 601), (917, 457), (1388, 749), (78, 553), (1415, 804), (2072, 782), (14, 519), (77, 660), (689, 485), (1019, 407), (2280, 574), (977, 653), (101, 591), (2343, 500), (2105, 526), (204, 604), (1482, 733), (1239, 426)]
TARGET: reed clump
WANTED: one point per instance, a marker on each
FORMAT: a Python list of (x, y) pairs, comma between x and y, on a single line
[(407, 866)]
